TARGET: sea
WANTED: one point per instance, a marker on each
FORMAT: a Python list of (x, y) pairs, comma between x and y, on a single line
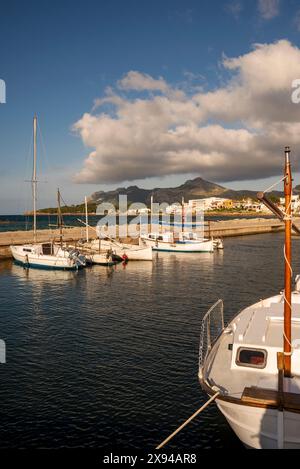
[(25, 222), (107, 358)]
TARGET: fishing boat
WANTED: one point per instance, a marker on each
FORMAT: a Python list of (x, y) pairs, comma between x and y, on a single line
[(107, 259), (183, 242), (47, 255), (251, 367), (128, 252)]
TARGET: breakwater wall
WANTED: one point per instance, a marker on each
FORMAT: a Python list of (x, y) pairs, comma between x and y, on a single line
[(224, 229)]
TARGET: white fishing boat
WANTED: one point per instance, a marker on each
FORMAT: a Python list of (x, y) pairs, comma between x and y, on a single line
[(251, 367), (45, 255), (183, 242), (130, 252), (103, 259)]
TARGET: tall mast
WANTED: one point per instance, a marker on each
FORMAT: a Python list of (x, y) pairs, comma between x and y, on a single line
[(182, 213), (34, 181), (59, 216), (288, 262), (86, 220)]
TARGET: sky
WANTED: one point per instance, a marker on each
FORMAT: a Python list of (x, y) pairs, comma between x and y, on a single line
[(146, 93)]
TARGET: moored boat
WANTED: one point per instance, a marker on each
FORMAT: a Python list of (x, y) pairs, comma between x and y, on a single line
[(45, 255), (130, 252), (184, 242), (252, 367)]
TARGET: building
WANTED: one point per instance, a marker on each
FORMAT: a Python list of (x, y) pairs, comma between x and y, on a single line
[(295, 204), (210, 203)]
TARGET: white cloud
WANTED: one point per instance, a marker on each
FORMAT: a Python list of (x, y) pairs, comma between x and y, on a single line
[(141, 81), (235, 132), (268, 9)]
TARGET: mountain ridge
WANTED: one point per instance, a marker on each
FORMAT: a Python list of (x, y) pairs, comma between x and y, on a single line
[(197, 188)]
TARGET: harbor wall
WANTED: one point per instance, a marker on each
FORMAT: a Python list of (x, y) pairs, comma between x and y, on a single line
[(224, 229)]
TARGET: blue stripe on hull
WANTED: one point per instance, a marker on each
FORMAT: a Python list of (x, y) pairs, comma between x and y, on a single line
[(44, 267)]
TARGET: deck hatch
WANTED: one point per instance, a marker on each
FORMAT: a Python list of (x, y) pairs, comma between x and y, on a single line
[(250, 357)]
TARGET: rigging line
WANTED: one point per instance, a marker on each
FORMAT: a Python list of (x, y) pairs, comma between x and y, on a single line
[(275, 184), (47, 163), (287, 261), (292, 348)]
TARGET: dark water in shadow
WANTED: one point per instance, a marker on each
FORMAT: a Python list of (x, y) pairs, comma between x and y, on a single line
[(108, 358)]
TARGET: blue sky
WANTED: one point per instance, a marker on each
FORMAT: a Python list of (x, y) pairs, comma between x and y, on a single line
[(58, 57)]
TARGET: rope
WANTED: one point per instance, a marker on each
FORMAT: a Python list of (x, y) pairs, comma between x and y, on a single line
[(285, 299), (214, 397), (288, 354), (275, 184)]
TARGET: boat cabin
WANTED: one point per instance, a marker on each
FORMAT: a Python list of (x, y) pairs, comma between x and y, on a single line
[(246, 352)]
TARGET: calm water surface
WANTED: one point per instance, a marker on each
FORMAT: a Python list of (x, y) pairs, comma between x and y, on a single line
[(107, 358)]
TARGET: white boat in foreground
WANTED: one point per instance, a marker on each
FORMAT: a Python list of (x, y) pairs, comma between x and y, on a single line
[(252, 367), (185, 242)]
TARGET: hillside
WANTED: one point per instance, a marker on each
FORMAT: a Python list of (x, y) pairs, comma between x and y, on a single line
[(192, 189)]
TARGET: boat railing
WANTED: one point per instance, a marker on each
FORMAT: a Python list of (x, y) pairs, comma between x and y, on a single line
[(212, 325)]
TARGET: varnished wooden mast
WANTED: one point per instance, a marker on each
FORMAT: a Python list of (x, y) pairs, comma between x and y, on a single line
[(288, 262)]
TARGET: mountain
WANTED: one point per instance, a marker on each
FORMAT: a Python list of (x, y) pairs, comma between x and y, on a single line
[(192, 189)]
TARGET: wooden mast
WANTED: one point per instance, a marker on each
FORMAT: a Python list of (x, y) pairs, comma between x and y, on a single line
[(34, 181), (288, 262), (86, 219)]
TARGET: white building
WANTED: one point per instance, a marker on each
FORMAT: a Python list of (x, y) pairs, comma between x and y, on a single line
[(295, 205), (209, 203)]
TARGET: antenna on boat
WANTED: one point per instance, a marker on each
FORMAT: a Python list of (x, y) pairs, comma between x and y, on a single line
[(288, 261), (34, 180)]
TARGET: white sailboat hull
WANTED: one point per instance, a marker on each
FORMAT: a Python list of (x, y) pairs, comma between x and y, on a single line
[(204, 246), (260, 428), (42, 261), (101, 259), (133, 252)]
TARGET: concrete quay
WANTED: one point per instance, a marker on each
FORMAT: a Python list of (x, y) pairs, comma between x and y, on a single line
[(216, 229)]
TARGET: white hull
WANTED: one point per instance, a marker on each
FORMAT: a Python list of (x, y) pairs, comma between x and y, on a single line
[(204, 246), (260, 428), (133, 253), (41, 260), (101, 259)]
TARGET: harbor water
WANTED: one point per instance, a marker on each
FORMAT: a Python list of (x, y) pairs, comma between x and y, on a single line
[(107, 357)]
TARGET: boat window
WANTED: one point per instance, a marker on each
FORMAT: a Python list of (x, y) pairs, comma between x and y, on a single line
[(27, 250), (251, 357), (47, 249)]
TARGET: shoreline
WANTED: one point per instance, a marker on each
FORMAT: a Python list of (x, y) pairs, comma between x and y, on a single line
[(215, 229), (206, 214)]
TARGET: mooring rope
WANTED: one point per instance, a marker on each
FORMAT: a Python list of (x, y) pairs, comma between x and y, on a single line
[(214, 397)]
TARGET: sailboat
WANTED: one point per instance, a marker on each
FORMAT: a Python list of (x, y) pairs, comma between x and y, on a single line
[(251, 367), (45, 255), (183, 241)]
